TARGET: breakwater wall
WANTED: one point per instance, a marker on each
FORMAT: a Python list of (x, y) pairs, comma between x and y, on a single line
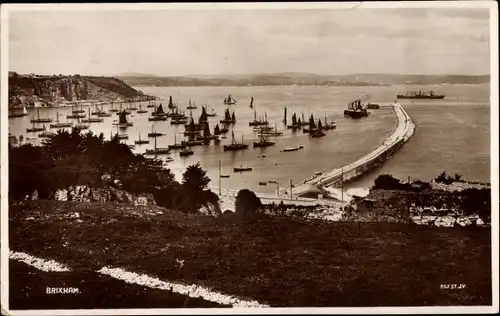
[(402, 133)]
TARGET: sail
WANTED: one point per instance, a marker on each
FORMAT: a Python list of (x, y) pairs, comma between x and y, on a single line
[(294, 119), (122, 118), (251, 102), (217, 130), (320, 126), (229, 99), (170, 103), (227, 115), (312, 125), (160, 109), (233, 117), (24, 110), (206, 130), (203, 116)]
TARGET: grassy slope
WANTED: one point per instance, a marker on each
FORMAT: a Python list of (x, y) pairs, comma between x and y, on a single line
[(282, 263), (28, 291)]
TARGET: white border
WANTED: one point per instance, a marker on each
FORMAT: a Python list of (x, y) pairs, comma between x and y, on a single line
[(494, 147)]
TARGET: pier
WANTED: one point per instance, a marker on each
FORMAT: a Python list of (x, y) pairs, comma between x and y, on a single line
[(331, 181)]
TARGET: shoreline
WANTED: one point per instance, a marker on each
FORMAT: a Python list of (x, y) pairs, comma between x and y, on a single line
[(403, 131)]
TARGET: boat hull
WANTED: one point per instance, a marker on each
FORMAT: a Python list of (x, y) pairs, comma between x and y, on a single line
[(355, 114)]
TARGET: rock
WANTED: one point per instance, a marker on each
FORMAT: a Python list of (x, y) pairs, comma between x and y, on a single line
[(61, 195)]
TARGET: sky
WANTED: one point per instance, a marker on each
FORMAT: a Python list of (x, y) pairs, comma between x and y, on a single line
[(177, 42)]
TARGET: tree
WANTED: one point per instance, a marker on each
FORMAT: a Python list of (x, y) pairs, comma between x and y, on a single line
[(195, 178), (247, 204), (387, 182)]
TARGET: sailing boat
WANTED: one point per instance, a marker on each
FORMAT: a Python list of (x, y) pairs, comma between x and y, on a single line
[(175, 145), (263, 142), (130, 107), (157, 150), (154, 133), (203, 117), (228, 119), (122, 121), (207, 136), (113, 108), (211, 114), (60, 124), (92, 119), (120, 136), (171, 105), (295, 124), (216, 130), (141, 110), (271, 132), (234, 145), (80, 125), (40, 120), (251, 102), (229, 100), (35, 129), (152, 105), (256, 122), (191, 107), (318, 130), (186, 152), (328, 126), (141, 141), (23, 113), (158, 114), (76, 111)]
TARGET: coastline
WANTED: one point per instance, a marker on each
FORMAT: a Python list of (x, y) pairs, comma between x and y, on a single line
[(403, 131)]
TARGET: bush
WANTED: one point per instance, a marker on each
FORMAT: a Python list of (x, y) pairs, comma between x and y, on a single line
[(446, 179), (387, 182), (247, 204)]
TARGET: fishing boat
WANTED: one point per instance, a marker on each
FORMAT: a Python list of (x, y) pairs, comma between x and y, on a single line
[(372, 106), (79, 125), (292, 148), (92, 119), (175, 145), (224, 129), (130, 107), (35, 129), (154, 133), (355, 110), (60, 124), (122, 121), (295, 123), (251, 102), (263, 142), (186, 152), (263, 128), (23, 113), (229, 100), (113, 108), (154, 105), (262, 183), (420, 95), (317, 133), (171, 105), (228, 118), (191, 106), (213, 114), (217, 130), (46, 134), (178, 121), (234, 145), (224, 176), (158, 111), (258, 122), (157, 118), (207, 136), (140, 111), (271, 132), (76, 110), (40, 120), (122, 136), (329, 126), (192, 142), (157, 150), (241, 168), (141, 141), (203, 116)]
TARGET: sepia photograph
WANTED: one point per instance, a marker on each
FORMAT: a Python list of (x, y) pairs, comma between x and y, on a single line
[(214, 158)]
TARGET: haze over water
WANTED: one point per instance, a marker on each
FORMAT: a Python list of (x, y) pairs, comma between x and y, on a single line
[(452, 134)]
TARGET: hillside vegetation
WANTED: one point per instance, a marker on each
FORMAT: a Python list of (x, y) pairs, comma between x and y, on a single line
[(51, 90)]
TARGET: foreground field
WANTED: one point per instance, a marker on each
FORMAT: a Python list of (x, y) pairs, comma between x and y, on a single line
[(274, 261)]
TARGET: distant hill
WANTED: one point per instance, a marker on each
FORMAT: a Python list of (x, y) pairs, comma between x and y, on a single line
[(28, 89), (295, 78)]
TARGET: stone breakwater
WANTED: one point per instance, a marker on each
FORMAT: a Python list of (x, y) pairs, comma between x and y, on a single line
[(405, 128)]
